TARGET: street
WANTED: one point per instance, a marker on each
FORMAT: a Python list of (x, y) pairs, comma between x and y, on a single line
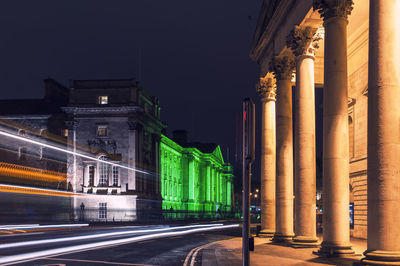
[(112, 245)]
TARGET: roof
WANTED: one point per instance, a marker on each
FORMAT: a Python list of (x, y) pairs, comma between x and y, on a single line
[(203, 147)]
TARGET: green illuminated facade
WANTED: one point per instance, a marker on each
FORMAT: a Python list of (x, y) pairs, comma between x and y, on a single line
[(195, 177)]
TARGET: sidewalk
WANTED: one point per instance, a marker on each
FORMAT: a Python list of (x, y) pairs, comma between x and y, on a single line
[(229, 252)]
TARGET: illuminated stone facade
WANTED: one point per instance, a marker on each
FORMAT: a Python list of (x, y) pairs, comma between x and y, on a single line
[(111, 129), (349, 48), (194, 177)]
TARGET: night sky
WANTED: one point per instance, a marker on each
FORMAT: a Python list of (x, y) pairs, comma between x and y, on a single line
[(194, 54)]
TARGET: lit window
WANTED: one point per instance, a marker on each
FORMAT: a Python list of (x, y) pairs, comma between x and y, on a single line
[(102, 131), (102, 210), (65, 132), (115, 176), (103, 172), (102, 100), (91, 175)]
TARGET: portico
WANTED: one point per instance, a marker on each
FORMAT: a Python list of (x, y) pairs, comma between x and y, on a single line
[(301, 45)]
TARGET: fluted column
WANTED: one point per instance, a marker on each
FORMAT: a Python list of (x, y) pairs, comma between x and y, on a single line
[(303, 41), (383, 134), (267, 91), (336, 235), (282, 67)]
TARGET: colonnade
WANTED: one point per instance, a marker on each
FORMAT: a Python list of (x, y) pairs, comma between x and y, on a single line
[(383, 136)]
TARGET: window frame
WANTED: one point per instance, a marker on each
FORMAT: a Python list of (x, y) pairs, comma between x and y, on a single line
[(115, 175), (102, 127), (102, 211), (102, 99)]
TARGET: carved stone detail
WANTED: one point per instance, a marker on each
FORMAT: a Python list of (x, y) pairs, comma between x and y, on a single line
[(134, 125), (101, 144), (333, 8), (282, 66), (267, 89), (72, 124), (303, 40)]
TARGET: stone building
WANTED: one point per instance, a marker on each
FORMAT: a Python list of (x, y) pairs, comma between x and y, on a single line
[(349, 49), (111, 130), (194, 177)]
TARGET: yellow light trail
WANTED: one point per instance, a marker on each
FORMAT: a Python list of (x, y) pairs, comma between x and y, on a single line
[(25, 172), (36, 191)]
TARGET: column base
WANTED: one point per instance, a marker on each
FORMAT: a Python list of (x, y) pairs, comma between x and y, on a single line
[(332, 250), (305, 242), (381, 257), (266, 233), (280, 238)]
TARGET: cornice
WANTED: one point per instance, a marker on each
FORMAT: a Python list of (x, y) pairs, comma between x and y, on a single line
[(101, 110), (273, 24)]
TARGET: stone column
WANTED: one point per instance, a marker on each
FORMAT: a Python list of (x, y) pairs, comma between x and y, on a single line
[(303, 42), (336, 235), (267, 91), (282, 67), (134, 127), (383, 134)]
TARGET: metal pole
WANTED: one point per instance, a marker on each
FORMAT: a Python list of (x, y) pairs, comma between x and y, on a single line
[(246, 222), (248, 158)]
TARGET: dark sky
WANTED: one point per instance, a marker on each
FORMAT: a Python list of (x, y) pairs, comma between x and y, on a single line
[(194, 54)]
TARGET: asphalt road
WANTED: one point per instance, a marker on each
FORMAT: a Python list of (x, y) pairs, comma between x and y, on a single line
[(125, 245)]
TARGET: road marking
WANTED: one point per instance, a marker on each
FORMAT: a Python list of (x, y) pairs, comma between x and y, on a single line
[(98, 261), (107, 243), (193, 253)]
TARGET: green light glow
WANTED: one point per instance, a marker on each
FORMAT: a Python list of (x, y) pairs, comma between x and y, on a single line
[(194, 181)]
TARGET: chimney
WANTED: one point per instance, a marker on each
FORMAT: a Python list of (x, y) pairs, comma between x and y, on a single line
[(180, 137)]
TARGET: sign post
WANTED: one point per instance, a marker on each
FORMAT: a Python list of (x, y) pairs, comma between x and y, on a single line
[(248, 158)]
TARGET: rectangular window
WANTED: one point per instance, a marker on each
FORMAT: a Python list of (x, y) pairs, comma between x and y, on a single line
[(22, 153), (102, 100), (102, 210), (103, 178), (91, 175), (64, 132), (115, 176), (102, 131)]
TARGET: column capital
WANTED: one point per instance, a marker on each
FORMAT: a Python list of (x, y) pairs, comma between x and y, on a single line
[(282, 66), (266, 88), (333, 8), (303, 40)]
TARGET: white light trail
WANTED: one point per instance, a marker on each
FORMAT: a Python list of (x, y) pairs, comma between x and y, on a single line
[(34, 227), (79, 248), (75, 238), (70, 152)]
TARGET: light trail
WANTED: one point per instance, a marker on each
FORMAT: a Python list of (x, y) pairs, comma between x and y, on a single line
[(75, 238), (42, 226), (37, 191), (70, 152), (79, 248)]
